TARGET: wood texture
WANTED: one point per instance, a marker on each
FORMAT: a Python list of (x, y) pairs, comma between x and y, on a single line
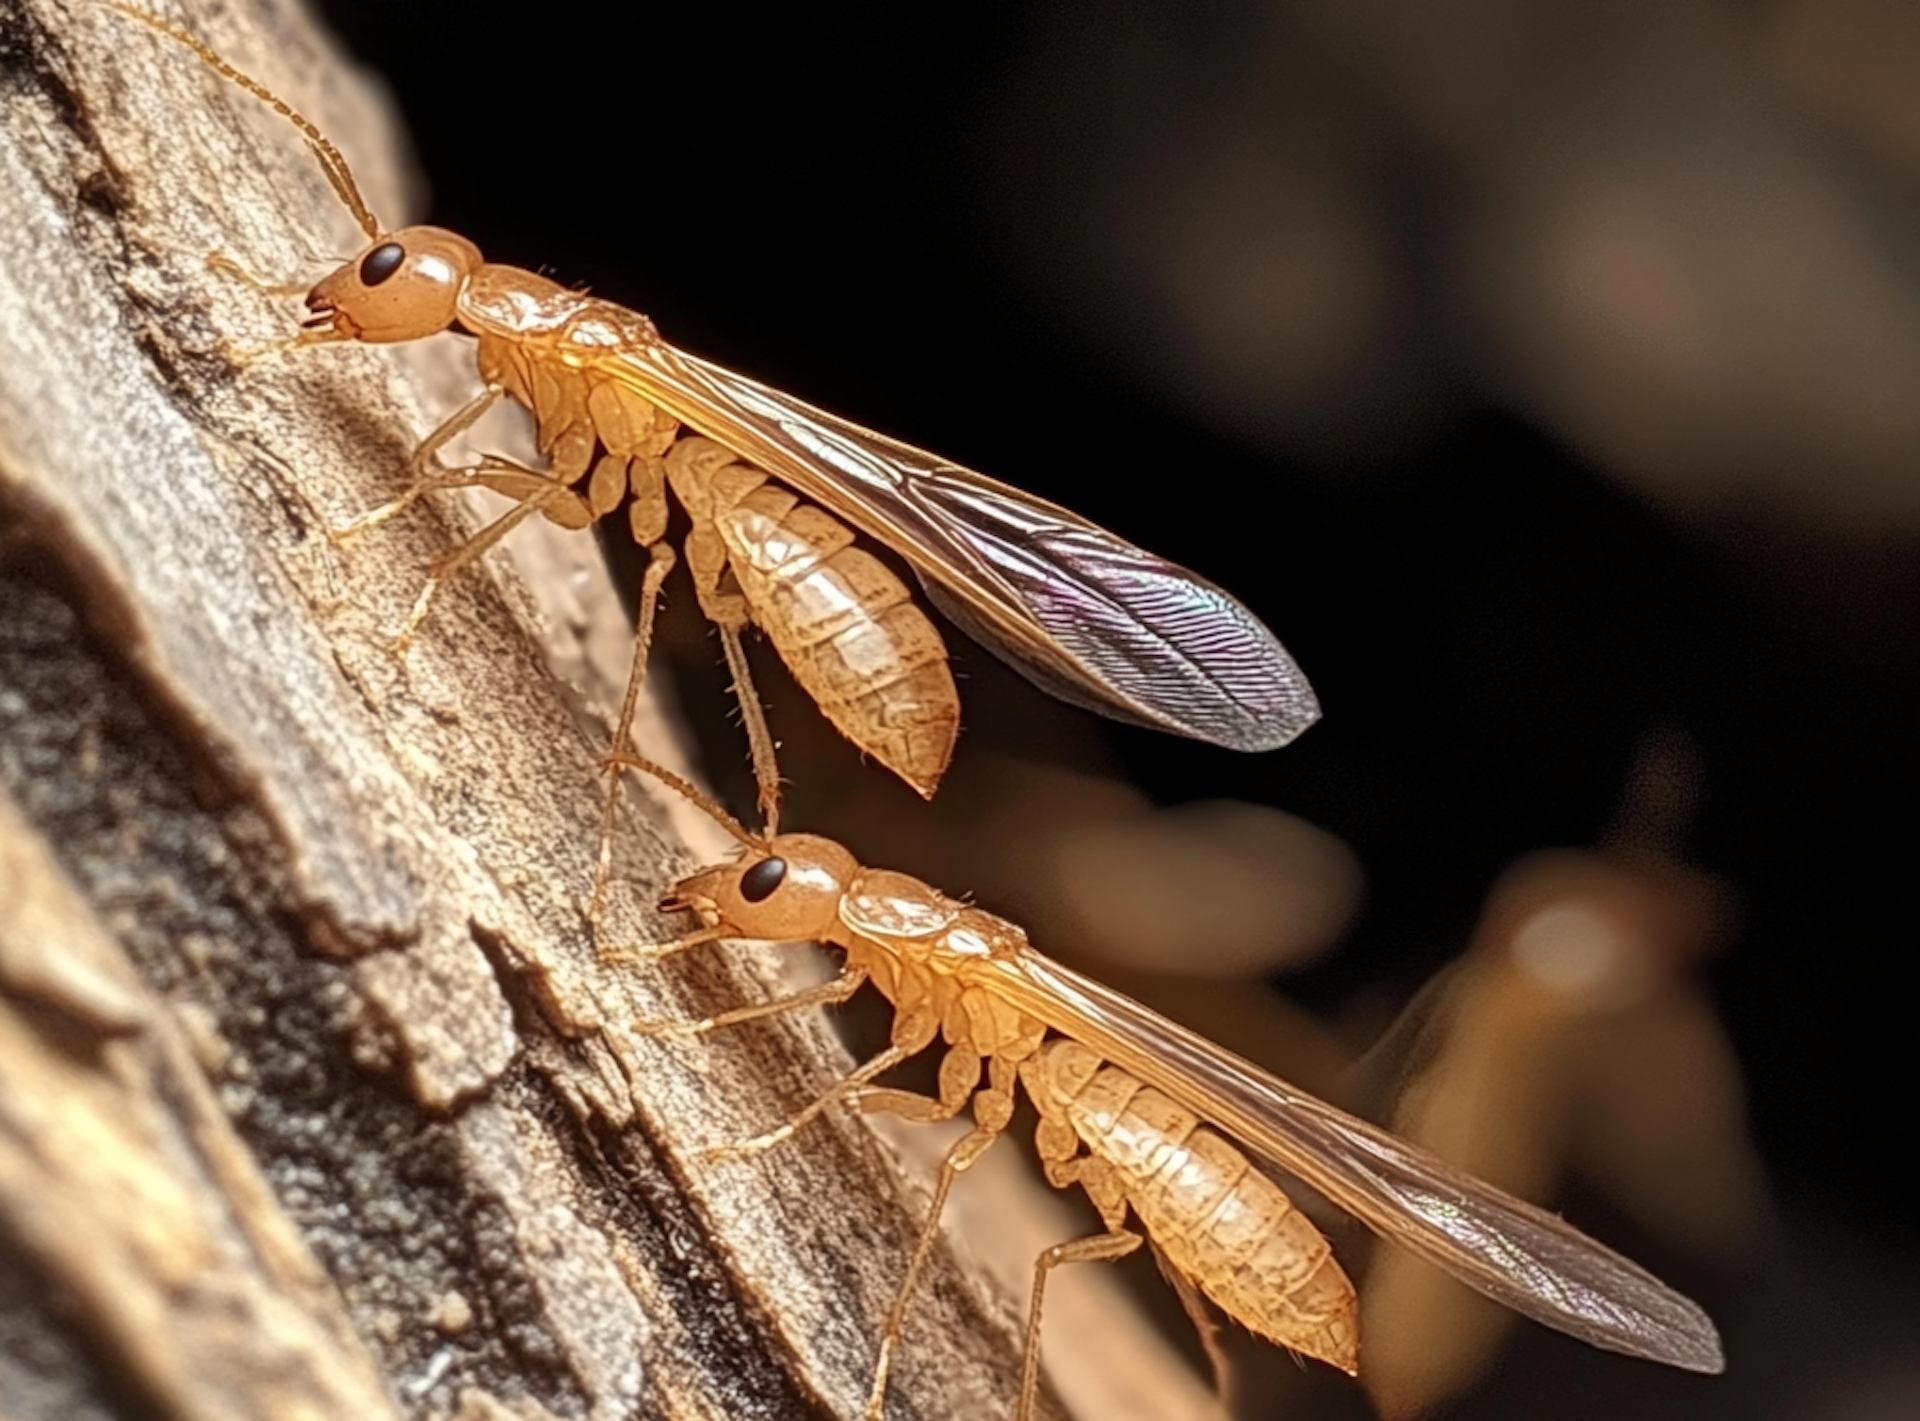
[(314, 1099)]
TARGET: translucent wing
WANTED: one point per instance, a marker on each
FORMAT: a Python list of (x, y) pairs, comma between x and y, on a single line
[(1520, 1255), (1084, 614)]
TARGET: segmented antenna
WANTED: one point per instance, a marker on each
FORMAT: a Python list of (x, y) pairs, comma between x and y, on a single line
[(331, 161)]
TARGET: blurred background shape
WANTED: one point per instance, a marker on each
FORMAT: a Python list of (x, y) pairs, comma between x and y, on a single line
[(1573, 1039)]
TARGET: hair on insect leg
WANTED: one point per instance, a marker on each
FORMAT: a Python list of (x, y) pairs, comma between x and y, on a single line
[(753, 718)]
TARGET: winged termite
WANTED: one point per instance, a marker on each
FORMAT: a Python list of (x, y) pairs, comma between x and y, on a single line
[(1167, 1139), (1085, 614)]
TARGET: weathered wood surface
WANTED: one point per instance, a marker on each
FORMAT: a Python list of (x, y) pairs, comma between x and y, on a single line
[(314, 1100)]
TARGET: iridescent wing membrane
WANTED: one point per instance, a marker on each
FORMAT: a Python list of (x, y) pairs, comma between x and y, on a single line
[(1084, 614), (1519, 1255)]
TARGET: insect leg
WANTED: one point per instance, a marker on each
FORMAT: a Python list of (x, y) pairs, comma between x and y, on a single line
[(826, 994), (660, 562), (1095, 1248), (445, 567), (655, 952), (280, 290), (1065, 1166), (913, 1032), (878, 1066), (243, 355), (456, 424), (753, 717), (693, 474), (533, 491), (418, 463), (960, 1158), (1204, 1327), (959, 1074), (992, 1110)]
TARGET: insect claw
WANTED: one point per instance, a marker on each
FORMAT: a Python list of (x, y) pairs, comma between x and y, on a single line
[(403, 643), (373, 518), (877, 1398)]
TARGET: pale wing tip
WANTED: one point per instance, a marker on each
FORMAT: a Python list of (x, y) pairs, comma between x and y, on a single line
[(1668, 1328), (1284, 725), (1252, 699), (1709, 1361), (1241, 691), (1251, 717), (1228, 721), (1676, 1331), (1694, 1346)]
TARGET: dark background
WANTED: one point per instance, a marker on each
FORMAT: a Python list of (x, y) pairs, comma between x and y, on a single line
[(977, 228)]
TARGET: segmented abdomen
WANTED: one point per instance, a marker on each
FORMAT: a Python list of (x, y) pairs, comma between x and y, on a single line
[(848, 630), (1219, 1220)]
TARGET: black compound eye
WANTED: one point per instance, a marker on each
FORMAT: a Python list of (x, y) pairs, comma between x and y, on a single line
[(758, 883), (380, 263)]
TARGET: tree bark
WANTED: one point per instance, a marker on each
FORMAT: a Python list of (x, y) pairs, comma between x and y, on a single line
[(315, 1100)]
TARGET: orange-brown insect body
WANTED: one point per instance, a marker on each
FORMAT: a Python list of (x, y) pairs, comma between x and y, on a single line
[(845, 625), (1138, 1111), (406, 286), (1216, 1218), (1084, 614), (1090, 617), (1216, 1221), (927, 953)]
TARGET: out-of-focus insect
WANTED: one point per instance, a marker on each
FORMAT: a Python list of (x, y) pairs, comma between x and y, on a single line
[(1150, 1131), (1083, 613)]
